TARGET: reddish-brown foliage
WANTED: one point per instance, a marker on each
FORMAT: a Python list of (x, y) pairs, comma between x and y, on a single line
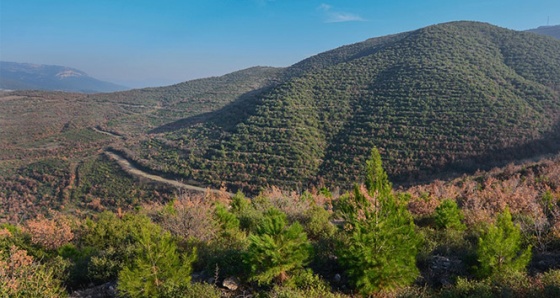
[(49, 233), (14, 269)]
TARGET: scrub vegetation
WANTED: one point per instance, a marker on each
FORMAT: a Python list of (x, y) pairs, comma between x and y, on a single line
[(462, 117)]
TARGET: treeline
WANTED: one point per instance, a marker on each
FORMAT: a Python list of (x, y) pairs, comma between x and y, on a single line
[(432, 241)]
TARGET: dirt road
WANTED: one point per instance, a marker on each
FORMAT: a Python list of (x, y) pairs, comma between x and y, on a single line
[(128, 167)]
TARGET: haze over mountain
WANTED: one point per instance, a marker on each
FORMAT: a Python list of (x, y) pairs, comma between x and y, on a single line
[(553, 31), (449, 97), (25, 76)]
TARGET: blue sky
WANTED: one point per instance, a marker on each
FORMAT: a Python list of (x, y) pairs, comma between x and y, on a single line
[(142, 43)]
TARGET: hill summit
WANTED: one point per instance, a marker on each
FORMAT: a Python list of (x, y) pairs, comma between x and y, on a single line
[(26, 76), (452, 97), (553, 31)]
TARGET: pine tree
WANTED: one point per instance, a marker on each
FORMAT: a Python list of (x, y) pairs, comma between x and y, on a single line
[(449, 216), (158, 266), (499, 249), (276, 249), (381, 245)]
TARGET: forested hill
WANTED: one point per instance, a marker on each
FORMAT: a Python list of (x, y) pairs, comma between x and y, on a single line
[(553, 31), (158, 108), (449, 97)]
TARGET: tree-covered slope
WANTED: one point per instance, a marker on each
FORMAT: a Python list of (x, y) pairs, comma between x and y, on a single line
[(151, 108), (445, 96)]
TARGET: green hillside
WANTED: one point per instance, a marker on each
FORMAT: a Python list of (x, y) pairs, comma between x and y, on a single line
[(150, 108), (445, 97)]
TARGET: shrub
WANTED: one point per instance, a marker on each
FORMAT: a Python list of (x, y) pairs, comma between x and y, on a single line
[(551, 283), (190, 218), (249, 217), (289, 292), (468, 288), (228, 248), (113, 240), (317, 223), (49, 233), (21, 276), (193, 290), (228, 227)]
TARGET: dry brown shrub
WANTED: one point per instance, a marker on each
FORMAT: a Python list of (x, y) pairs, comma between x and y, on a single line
[(96, 204), (13, 269), (555, 229), (222, 196), (20, 276), (293, 205), (482, 202), (426, 198), (4, 233), (190, 218), (422, 206), (49, 233)]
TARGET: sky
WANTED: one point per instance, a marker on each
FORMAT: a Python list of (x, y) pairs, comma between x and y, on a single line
[(148, 43)]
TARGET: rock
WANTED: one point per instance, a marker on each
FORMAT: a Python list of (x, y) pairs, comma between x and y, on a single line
[(106, 290), (337, 278), (231, 283), (442, 269)]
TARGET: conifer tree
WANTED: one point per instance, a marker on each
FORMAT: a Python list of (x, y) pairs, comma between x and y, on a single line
[(158, 266), (381, 245), (276, 249), (499, 249), (449, 216)]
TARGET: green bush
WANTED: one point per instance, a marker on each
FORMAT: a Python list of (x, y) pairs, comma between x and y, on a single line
[(551, 283), (305, 279), (317, 223), (289, 292), (193, 290), (244, 209), (114, 242), (229, 228), (468, 288)]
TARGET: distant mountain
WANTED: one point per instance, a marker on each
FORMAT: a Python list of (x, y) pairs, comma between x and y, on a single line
[(553, 31), (451, 97), (25, 76)]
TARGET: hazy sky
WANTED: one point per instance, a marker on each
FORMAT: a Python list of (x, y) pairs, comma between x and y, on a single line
[(160, 42)]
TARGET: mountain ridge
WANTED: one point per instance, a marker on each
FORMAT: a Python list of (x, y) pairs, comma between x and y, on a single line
[(553, 31), (28, 76)]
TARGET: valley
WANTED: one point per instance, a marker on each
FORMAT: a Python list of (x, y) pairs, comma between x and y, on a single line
[(433, 142)]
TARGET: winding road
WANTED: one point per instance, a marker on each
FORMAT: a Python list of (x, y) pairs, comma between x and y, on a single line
[(131, 169)]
